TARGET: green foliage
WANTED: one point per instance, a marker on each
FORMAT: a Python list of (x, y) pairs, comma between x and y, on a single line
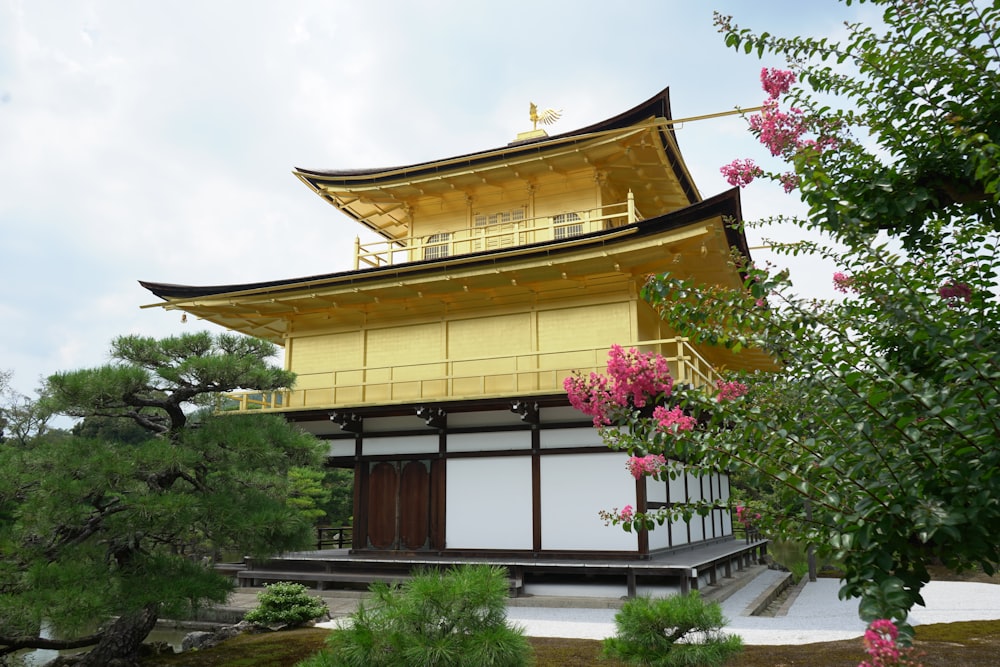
[(918, 131), (111, 429), (116, 524), (21, 418), (453, 619), (284, 603), (339, 504), (676, 631), (308, 493), (877, 438)]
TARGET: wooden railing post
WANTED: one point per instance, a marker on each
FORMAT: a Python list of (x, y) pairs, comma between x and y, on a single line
[(631, 207), (357, 252)]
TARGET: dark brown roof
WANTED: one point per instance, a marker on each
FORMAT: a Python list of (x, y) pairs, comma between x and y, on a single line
[(657, 106)]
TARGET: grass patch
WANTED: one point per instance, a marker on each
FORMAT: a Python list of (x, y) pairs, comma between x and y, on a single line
[(966, 644)]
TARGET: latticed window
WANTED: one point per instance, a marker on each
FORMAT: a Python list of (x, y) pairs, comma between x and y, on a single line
[(436, 246), (498, 218), (563, 226)]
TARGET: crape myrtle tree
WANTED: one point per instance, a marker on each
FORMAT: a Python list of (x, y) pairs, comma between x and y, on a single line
[(102, 535), (879, 435)]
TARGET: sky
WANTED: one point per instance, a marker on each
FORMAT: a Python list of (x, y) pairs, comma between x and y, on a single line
[(155, 141)]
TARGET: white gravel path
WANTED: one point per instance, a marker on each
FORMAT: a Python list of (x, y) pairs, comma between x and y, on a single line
[(816, 616)]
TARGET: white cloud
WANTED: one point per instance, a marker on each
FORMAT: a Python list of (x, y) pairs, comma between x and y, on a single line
[(155, 140)]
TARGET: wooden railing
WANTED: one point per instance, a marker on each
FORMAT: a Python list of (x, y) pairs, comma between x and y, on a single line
[(334, 537), (468, 377), (494, 236)]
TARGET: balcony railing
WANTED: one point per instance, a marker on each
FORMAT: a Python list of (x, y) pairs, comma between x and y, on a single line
[(464, 378), (493, 236)]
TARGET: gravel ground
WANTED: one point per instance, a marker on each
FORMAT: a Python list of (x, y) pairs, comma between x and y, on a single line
[(816, 615)]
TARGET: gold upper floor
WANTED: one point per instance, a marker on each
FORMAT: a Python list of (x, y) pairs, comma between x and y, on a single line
[(497, 273)]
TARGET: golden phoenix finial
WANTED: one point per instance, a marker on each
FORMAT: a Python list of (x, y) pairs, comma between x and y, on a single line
[(547, 117)]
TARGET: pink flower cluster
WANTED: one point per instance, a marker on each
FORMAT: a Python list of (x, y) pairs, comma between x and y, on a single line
[(673, 420), (632, 380), (781, 131), (626, 515), (637, 376), (776, 82), (743, 515), (741, 172), (590, 396), (880, 645), (730, 390), (953, 292), (651, 464), (789, 181), (843, 282)]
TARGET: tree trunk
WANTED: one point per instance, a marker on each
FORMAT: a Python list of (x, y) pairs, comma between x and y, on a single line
[(120, 643)]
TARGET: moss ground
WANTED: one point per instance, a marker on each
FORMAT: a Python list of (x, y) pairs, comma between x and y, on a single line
[(971, 644)]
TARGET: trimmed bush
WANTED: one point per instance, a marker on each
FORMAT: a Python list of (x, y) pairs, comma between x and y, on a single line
[(288, 604), (453, 619), (676, 631)]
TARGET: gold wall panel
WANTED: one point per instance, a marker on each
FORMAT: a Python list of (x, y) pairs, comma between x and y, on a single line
[(403, 349)]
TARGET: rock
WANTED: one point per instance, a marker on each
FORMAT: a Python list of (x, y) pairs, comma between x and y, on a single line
[(193, 640), (156, 648)]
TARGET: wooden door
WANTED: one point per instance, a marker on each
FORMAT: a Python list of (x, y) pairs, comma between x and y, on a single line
[(414, 505), (383, 486), (399, 505)]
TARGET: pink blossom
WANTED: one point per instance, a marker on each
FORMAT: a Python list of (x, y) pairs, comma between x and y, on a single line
[(743, 516), (673, 420), (590, 396), (776, 82), (637, 377), (633, 379), (953, 291), (883, 651), (780, 131), (650, 464), (741, 172), (627, 513), (789, 181), (843, 282), (729, 390)]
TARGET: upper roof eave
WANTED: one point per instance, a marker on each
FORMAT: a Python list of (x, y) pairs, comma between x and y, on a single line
[(657, 106)]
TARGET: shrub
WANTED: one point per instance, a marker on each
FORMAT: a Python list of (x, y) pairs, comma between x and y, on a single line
[(285, 603), (452, 619), (680, 630)]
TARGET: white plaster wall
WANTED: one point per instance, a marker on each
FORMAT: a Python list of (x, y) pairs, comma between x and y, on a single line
[(693, 487), (552, 438), (697, 528), (341, 448), (403, 444), (487, 442), (676, 487), (656, 492), (680, 533), (659, 537), (575, 487), (489, 503)]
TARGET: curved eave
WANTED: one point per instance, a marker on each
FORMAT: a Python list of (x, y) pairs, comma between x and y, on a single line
[(726, 204), (605, 262), (367, 194)]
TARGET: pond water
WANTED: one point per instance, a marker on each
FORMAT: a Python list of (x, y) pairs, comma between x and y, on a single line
[(38, 657)]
